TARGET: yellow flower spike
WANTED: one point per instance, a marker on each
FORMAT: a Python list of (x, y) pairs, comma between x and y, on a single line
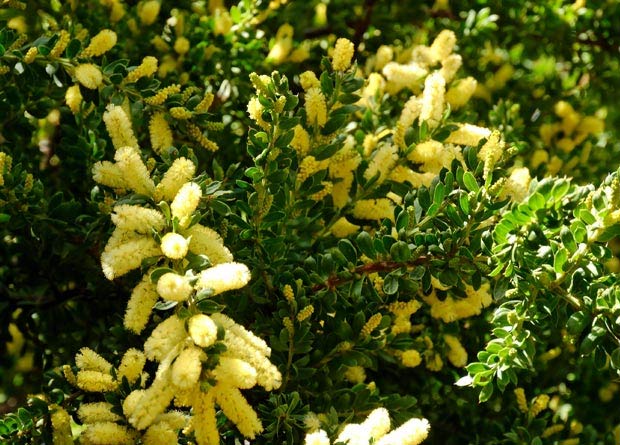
[(371, 324), (185, 203), (282, 46), (539, 404), (159, 433), (187, 367), (61, 44), (343, 228), (160, 132), (459, 94), (449, 67), (411, 358), (255, 111), (205, 103), (457, 355), (148, 12), (174, 287), (119, 127), (96, 381), (572, 441), (308, 80), (373, 209), (355, 374), (202, 330), (181, 46), (174, 246), (147, 68), (180, 172), (316, 108), (204, 421), (412, 432), (61, 426), (97, 412), (206, 241), (73, 98), (131, 365), (224, 277), (400, 77), (238, 410), (223, 22), (305, 313), (443, 45), (551, 430), (139, 219), (134, 171), (31, 55), (468, 134), (433, 100), (87, 359), (385, 54), (163, 94), (342, 55), (235, 372), (126, 253), (107, 433), (100, 44), (383, 161), (168, 334), (89, 75), (196, 133), (140, 305)]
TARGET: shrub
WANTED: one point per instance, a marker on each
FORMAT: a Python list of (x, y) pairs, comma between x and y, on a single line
[(309, 222)]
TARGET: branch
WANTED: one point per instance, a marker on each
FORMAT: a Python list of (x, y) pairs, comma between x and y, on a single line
[(380, 266)]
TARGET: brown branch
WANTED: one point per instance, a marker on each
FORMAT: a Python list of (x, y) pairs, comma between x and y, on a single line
[(380, 266), (364, 23)]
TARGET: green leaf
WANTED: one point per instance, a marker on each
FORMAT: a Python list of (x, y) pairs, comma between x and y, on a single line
[(615, 358), (208, 306), (327, 85), (348, 250), (165, 305), (402, 221), (559, 260), (470, 182), (486, 393), (157, 273), (390, 284), (399, 251), (334, 123), (73, 48), (577, 322), (364, 243)]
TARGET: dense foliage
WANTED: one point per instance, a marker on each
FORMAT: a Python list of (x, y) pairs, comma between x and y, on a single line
[(279, 221)]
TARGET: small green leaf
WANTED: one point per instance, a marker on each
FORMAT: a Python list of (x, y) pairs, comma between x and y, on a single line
[(327, 85), (346, 248), (165, 305), (209, 306), (157, 273), (364, 243), (486, 393), (73, 48), (560, 258), (577, 322), (399, 251), (615, 358), (470, 182), (390, 284)]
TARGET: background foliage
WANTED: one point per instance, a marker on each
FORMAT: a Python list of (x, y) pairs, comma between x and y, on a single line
[(550, 260)]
